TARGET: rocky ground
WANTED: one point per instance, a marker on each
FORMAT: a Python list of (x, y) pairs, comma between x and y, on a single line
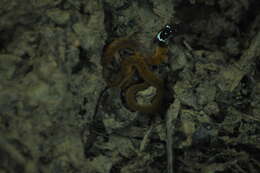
[(55, 117)]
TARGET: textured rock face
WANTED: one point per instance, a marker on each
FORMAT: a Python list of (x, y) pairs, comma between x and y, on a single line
[(51, 83)]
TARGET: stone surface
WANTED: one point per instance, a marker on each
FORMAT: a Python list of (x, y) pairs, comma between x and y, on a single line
[(55, 115)]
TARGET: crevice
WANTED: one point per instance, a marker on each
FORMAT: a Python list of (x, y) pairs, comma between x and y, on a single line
[(83, 61)]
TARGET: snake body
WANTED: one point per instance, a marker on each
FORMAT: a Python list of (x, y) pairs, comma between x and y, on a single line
[(141, 64)]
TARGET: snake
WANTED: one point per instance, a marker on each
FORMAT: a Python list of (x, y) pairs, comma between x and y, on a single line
[(137, 62)]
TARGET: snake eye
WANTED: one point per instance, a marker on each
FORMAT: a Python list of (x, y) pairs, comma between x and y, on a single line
[(164, 35)]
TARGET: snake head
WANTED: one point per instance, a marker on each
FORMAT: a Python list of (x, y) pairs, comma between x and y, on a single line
[(165, 34)]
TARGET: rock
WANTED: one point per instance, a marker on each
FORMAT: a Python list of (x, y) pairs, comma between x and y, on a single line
[(58, 16)]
